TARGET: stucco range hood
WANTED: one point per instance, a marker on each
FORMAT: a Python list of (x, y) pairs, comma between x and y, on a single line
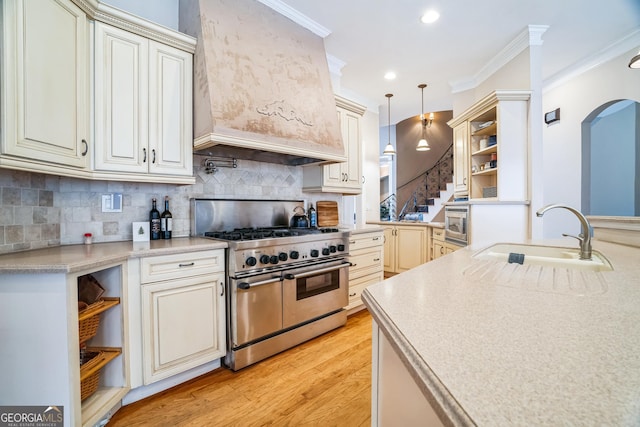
[(261, 85)]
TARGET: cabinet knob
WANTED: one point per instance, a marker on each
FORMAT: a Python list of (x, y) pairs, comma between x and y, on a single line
[(376, 259)]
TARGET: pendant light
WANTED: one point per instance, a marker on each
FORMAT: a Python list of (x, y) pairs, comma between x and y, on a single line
[(423, 145), (389, 150)]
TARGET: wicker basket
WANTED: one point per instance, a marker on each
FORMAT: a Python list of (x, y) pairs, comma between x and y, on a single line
[(92, 360), (89, 373), (89, 318), (88, 326)]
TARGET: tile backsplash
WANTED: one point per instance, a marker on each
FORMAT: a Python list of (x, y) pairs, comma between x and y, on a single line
[(38, 210)]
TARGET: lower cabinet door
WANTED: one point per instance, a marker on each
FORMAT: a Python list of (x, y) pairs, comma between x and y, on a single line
[(183, 325)]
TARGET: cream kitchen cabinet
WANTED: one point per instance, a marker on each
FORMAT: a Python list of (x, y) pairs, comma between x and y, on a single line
[(405, 247), (439, 246), (461, 160), (40, 357), (366, 258), (493, 139), (45, 87), (183, 312), (345, 177), (143, 104)]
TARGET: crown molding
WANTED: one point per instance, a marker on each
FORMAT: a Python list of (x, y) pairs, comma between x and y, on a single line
[(297, 17), (531, 36), (615, 49)]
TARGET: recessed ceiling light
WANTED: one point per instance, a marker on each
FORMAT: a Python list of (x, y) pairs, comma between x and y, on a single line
[(390, 75), (430, 17)]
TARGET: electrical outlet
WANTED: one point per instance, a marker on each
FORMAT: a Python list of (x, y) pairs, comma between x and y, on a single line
[(112, 202)]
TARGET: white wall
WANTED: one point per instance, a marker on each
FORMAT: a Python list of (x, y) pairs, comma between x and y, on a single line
[(562, 141)]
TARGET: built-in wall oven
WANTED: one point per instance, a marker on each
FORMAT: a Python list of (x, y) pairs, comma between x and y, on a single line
[(456, 224)]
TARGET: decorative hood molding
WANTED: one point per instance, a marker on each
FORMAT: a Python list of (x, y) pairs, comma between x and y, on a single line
[(261, 83)]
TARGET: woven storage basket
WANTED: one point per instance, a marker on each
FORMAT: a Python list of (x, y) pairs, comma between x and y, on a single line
[(90, 373), (87, 327), (92, 360)]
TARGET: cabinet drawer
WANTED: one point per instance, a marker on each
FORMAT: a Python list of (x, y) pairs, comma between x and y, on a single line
[(438, 234), (358, 285), (166, 267), (367, 240), (363, 263)]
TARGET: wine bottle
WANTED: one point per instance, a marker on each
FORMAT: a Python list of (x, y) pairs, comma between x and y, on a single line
[(154, 219), (166, 220), (313, 217)]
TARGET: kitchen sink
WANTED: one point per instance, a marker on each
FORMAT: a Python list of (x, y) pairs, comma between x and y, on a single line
[(552, 256)]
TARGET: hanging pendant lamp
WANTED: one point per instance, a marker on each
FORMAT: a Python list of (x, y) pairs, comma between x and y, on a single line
[(389, 150), (423, 145)]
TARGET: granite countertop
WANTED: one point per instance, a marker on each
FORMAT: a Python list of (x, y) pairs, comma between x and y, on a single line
[(71, 258), (487, 349)]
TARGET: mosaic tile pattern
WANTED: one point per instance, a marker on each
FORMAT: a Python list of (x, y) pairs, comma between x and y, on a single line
[(38, 210)]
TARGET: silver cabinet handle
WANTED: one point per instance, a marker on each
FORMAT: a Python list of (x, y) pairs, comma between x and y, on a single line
[(363, 179), (189, 264), (319, 271), (86, 147), (144, 157)]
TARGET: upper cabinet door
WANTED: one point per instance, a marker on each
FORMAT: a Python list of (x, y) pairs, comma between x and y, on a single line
[(46, 81), (170, 110), (121, 100)]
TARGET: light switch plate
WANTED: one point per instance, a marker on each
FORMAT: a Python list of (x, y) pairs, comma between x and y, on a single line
[(112, 202)]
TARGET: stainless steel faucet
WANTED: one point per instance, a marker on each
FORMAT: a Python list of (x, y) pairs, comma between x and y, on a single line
[(584, 237)]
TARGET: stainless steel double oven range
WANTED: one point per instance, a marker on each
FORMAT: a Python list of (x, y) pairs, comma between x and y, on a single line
[(284, 285)]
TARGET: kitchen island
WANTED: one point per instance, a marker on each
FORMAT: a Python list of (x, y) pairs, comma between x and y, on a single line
[(488, 348)]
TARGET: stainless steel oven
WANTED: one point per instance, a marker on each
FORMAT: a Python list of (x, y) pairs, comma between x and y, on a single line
[(285, 285), (456, 224)]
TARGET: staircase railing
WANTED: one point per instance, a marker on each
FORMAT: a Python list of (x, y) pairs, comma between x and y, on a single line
[(429, 192), (388, 208)]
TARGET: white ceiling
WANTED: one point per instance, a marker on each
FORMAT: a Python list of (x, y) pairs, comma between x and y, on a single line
[(375, 36)]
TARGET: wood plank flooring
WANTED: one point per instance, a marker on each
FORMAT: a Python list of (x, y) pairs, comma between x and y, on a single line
[(325, 381)]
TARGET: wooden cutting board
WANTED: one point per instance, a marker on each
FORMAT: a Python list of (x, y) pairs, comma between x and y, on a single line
[(327, 214)]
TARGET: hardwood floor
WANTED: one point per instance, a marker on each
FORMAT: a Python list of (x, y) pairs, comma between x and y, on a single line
[(325, 381)]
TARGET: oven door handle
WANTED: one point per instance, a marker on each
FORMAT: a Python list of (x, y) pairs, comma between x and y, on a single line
[(246, 285), (290, 276)]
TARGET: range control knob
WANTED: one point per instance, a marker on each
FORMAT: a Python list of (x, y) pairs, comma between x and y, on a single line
[(341, 248), (273, 259), (294, 254), (264, 259), (282, 256), (314, 253), (325, 251), (332, 249), (251, 261)]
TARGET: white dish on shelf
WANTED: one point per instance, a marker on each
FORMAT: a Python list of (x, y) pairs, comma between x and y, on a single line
[(485, 124)]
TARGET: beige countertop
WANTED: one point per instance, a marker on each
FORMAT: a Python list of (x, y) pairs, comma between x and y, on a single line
[(411, 223), (489, 349), (361, 229), (71, 258)]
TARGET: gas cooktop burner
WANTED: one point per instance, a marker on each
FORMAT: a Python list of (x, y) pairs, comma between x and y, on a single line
[(265, 233)]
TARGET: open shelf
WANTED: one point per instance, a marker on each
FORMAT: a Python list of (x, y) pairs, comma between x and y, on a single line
[(488, 131), (486, 172), (488, 150)]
